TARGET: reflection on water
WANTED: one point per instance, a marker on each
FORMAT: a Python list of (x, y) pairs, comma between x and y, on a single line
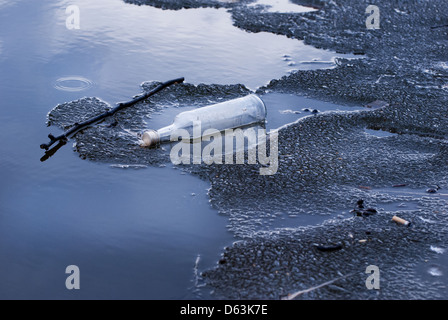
[(120, 45), (50, 152), (283, 6)]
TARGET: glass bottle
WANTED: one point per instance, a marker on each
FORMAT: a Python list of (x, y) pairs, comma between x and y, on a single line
[(230, 114)]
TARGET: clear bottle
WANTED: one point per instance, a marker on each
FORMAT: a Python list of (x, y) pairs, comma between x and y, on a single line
[(230, 114)]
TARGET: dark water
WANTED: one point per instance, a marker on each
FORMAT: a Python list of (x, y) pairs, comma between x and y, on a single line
[(133, 232)]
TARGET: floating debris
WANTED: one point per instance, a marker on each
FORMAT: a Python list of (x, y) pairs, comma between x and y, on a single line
[(298, 293), (400, 221), (360, 204), (433, 190), (377, 104), (442, 26), (369, 211), (360, 211), (364, 187), (326, 248)]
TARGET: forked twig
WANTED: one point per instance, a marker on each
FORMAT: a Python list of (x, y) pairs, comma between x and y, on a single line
[(79, 126)]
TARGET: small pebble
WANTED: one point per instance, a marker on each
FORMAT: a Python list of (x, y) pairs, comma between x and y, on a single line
[(369, 211), (360, 204)]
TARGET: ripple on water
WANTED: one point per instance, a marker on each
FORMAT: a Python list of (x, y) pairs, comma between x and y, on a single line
[(73, 84)]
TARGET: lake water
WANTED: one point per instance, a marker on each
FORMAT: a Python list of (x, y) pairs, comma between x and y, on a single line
[(134, 233)]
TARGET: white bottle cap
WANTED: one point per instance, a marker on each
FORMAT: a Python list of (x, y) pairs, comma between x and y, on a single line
[(150, 138)]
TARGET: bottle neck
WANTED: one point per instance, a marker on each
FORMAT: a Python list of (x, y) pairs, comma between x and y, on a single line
[(165, 133)]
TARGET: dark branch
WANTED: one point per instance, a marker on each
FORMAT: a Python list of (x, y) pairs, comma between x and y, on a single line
[(435, 27), (79, 126)]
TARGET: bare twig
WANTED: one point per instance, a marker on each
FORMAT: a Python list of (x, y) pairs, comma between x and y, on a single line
[(435, 27), (79, 126)]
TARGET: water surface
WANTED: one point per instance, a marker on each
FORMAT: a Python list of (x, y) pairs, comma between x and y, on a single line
[(134, 232)]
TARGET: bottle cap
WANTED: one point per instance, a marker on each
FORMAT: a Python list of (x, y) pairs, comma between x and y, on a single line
[(150, 138)]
